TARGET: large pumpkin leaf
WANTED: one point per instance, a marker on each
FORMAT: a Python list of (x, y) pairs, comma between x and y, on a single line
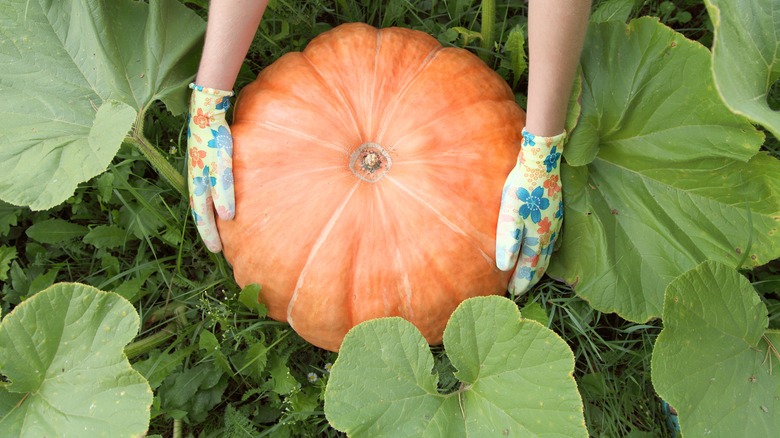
[(746, 56), (62, 351), (516, 378), (76, 75), (666, 179), (646, 89), (715, 361)]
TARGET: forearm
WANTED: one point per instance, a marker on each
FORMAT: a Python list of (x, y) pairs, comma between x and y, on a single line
[(556, 31), (231, 26)]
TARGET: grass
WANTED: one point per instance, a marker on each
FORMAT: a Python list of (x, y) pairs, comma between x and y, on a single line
[(217, 366), (612, 362)]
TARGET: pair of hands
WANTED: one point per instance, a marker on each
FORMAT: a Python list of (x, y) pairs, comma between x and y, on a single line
[(529, 218)]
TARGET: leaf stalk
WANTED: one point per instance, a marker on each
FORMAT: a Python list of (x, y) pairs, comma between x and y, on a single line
[(150, 342), (488, 27), (157, 160)]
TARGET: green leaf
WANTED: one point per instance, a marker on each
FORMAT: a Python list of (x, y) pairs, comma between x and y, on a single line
[(62, 352), (666, 179), (667, 7), (159, 365), (252, 362), (106, 237), (142, 221), (193, 392), (534, 311), (8, 217), (7, 255), (105, 186), (42, 281), (745, 59), (574, 108), (515, 45), (20, 284), (612, 10), (249, 298), (55, 231), (208, 343), (237, 425), (72, 97), (467, 35), (714, 359), (657, 105), (516, 378), (283, 381), (129, 289), (683, 17)]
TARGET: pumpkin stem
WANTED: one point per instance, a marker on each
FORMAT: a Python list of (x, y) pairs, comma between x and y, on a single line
[(370, 162)]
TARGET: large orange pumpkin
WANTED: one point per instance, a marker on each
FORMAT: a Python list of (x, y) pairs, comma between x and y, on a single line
[(368, 175)]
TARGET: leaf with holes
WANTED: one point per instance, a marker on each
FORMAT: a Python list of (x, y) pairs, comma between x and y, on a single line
[(715, 361), (516, 378)]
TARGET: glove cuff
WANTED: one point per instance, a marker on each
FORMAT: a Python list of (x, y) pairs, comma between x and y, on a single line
[(211, 91), (209, 103), (530, 139), (537, 148)]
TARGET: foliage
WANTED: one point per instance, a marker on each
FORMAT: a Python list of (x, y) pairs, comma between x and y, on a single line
[(381, 383), (641, 201), (62, 353), (612, 10), (714, 359), (745, 61), (69, 127), (128, 231)]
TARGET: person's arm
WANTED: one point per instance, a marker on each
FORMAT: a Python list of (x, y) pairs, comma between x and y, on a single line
[(231, 26), (556, 30), (531, 209)]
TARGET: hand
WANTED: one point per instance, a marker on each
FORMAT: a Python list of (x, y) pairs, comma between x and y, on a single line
[(531, 211), (210, 168)]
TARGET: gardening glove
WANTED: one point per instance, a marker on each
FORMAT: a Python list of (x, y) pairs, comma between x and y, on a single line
[(531, 211), (210, 169)]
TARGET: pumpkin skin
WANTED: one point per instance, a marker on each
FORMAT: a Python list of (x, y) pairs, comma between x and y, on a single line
[(368, 172)]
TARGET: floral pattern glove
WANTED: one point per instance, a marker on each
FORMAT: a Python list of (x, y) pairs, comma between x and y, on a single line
[(210, 168), (531, 211)]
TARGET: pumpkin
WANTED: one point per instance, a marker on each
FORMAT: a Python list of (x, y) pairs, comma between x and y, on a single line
[(368, 172)]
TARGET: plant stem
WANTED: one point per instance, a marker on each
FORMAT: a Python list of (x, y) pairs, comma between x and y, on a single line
[(177, 428), (152, 153), (146, 344), (488, 27)]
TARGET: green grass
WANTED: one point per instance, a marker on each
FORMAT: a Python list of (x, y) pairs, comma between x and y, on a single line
[(612, 358), (256, 378)]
